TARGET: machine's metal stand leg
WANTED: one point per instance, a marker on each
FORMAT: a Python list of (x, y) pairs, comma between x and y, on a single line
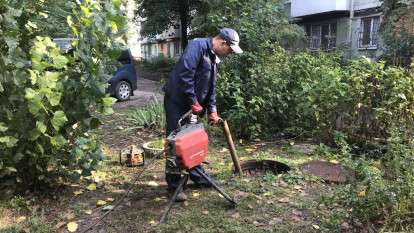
[(215, 186), (178, 190)]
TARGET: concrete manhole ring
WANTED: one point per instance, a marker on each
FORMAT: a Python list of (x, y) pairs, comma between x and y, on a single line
[(260, 167), (329, 172)]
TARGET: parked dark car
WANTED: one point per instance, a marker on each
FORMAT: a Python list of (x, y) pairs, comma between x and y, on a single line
[(124, 82)]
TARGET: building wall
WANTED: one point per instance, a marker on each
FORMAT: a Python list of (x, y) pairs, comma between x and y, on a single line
[(365, 4), (348, 25), (356, 50), (170, 49), (166, 44)]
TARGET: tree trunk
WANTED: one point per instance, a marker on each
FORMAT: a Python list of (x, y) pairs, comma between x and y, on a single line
[(184, 11)]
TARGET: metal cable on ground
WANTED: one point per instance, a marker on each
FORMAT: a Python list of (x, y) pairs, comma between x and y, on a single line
[(151, 162)]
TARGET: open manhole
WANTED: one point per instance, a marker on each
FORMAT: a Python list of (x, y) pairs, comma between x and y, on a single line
[(329, 172), (261, 167)]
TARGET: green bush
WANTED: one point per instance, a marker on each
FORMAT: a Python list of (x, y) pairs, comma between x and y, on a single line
[(159, 63), (382, 195), (151, 116), (46, 105), (263, 93)]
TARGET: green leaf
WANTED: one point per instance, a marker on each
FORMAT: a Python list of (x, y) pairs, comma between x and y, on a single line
[(94, 123), (59, 119), (41, 127), (30, 93), (58, 141), (9, 141), (54, 98), (34, 134), (108, 101), (17, 157), (33, 77), (3, 127)]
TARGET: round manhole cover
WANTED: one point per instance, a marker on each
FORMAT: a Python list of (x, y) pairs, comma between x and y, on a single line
[(260, 167), (330, 172)]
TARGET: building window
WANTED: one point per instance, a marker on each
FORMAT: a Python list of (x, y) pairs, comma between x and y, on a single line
[(321, 36), (368, 34)]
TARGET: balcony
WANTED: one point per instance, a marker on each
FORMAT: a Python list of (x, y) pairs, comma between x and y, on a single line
[(300, 8)]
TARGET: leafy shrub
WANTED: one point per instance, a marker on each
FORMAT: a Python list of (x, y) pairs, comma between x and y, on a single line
[(46, 105), (151, 116), (159, 63), (383, 191), (263, 93)]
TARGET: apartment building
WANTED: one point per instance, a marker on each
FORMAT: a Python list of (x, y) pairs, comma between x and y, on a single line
[(330, 24)]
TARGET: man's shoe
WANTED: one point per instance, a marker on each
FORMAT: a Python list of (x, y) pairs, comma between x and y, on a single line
[(181, 197)]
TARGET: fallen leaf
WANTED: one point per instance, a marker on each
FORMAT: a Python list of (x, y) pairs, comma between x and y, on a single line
[(153, 184), (108, 207), (298, 187), (250, 206), (110, 199), (297, 212), (266, 194), (195, 194), (223, 150), (21, 219), (100, 203), (241, 194), (316, 226), (283, 200), (88, 212), (185, 203), (249, 150), (91, 187), (275, 221), (60, 224), (236, 215), (362, 194), (72, 226), (157, 199), (69, 215), (79, 192), (153, 222), (205, 212), (345, 226)]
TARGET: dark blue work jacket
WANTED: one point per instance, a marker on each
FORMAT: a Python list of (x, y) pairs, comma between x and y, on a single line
[(193, 78)]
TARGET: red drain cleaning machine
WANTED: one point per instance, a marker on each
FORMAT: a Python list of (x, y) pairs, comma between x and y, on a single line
[(189, 143)]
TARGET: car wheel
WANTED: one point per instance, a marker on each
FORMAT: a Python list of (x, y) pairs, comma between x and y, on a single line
[(123, 90)]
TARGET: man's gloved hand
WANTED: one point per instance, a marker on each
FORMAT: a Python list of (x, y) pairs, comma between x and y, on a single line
[(197, 108), (213, 118)]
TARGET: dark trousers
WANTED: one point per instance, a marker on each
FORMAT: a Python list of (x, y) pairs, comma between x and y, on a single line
[(173, 113)]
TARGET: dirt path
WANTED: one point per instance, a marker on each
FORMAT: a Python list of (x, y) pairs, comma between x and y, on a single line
[(147, 90)]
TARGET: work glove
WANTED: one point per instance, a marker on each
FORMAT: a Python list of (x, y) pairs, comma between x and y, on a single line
[(197, 109), (213, 118)]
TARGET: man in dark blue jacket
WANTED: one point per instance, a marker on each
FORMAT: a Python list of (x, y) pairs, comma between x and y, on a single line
[(192, 85)]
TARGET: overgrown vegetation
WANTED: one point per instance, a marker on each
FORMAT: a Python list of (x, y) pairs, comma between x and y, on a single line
[(397, 31), (381, 197), (159, 63), (48, 98), (317, 95), (151, 116)]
